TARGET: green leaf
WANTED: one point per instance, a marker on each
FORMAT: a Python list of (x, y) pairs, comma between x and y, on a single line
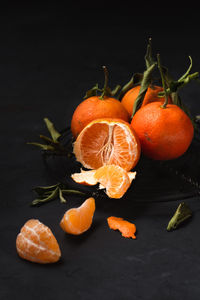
[(52, 196), (73, 192), (182, 213), (40, 190), (135, 80), (144, 86), (115, 90), (48, 140), (148, 56), (50, 126), (42, 146), (92, 92), (62, 199)]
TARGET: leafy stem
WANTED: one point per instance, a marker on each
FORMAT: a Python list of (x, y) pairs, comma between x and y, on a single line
[(48, 193)]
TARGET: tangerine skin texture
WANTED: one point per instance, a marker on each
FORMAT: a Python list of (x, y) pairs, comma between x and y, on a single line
[(94, 108), (126, 228), (151, 96), (164, 133)]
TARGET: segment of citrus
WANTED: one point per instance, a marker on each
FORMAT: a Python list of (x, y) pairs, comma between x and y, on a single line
[(85, 177), (78, 220), (105, 142), (88, 178), (114, 179), (126, 228), (36, 243)]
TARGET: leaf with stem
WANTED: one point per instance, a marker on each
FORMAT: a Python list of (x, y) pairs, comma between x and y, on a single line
[(53, 132), (182, 213)]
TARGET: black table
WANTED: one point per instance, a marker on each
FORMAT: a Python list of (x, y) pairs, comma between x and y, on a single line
[(50, 55)]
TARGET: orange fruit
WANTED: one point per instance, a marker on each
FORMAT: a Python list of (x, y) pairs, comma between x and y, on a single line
[(94, 108), (113, 178), (151, 95), (164, 133), (78, 220), (105, 142), (36, 243), (126, 228)]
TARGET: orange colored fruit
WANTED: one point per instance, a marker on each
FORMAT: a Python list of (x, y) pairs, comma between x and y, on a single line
[(164, 133), (78, 220), (36, 243), (105, 142), (126, 228), (113, 178), (95, 108), (151, 95)]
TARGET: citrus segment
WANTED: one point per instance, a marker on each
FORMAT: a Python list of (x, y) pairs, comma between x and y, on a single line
[(36, 243), (107, 141), (78, 220), (114, 179), (85, 177), (126, 228)]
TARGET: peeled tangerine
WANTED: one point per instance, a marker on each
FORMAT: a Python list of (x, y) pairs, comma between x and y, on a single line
[(113, 178), (78, 220), (36, 243)]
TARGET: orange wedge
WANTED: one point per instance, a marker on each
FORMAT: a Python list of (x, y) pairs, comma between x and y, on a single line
[(36, 243), (78, 220), (126, 228), (107, 142), (113, 178)]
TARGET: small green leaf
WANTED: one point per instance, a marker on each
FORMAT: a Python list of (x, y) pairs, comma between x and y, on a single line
[(115, 90), (182, 213), (135, 80), (143, 88), (92, 92), (73, 192), (48, 140), (42, 146), (50, 126), (40, 190), (52, 196), (62, 199), (148, 56)]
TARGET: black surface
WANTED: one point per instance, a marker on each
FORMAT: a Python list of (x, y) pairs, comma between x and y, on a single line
[(49, 56)]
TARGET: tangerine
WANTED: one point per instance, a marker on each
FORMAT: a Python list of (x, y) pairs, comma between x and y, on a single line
[(164, 133), (106, 142), (94, 108)]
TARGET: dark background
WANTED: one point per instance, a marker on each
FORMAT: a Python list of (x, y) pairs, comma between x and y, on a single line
[(50, 54)]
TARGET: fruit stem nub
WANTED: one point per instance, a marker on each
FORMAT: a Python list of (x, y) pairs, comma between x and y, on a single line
[(163, 82)]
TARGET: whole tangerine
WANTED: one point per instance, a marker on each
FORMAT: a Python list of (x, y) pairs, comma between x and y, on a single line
[(164, 132), (96, 108)]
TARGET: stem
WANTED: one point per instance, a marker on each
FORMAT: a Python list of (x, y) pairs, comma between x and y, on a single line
[(163, 82), (105, 83)]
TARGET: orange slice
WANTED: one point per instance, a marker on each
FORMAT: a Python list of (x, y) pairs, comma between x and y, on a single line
[(36, 243), (126, 228), (105, 142), (85, 177), (78, 220), (113, 178)]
